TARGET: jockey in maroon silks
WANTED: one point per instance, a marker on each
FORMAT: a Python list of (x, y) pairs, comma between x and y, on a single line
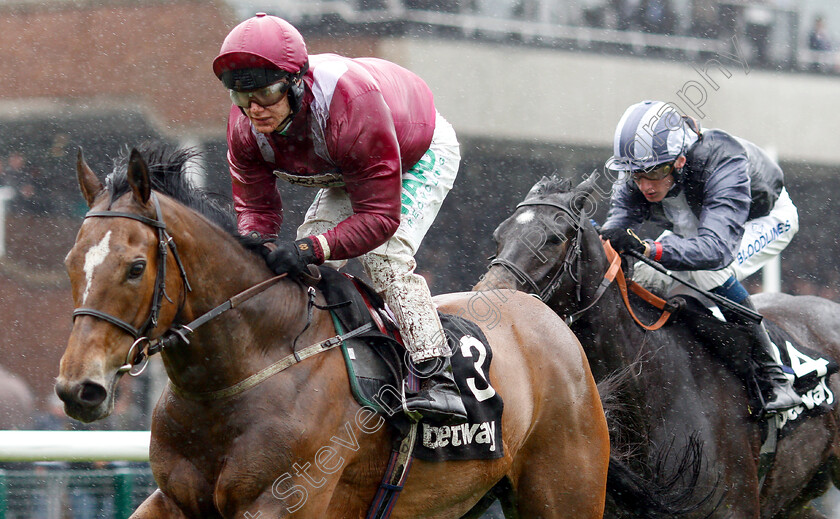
[(366, 133)]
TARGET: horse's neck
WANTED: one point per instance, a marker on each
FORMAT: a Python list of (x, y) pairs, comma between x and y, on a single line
[(243, 340), (613, 338)]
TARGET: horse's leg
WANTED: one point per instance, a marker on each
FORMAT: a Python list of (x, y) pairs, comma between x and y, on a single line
[(560, 469), (158, 506), (563, 466), (501, 491), (548, 487)]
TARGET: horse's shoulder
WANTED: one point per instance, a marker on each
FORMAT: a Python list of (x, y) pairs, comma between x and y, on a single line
[(488, 300)]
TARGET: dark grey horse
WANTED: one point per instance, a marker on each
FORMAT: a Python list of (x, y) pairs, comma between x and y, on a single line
[(676, 390)]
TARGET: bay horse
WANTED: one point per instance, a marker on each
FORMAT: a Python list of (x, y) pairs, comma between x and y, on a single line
[(549, 247), (296, 443)]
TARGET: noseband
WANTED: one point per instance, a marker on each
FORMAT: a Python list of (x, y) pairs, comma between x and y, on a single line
[(571, 263), (165, 244)]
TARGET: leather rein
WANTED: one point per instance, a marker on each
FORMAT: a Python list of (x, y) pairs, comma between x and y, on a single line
[(571, 265)]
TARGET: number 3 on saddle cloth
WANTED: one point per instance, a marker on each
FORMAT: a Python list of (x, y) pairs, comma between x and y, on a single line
[(810, 368), (376, 366)]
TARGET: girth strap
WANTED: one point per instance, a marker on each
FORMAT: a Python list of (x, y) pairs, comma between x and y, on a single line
[(394, 478)]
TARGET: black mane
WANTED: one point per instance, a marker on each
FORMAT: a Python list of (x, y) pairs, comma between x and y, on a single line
[(167, 173)]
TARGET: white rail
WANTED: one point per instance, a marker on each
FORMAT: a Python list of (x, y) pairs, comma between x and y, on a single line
[(74, 445)]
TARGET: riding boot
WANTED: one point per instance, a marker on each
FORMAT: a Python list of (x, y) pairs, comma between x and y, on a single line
[(777, 391), (439, 400)]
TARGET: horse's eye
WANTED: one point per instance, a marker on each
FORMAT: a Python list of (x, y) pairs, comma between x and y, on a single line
[(137, 269), (554, 238)]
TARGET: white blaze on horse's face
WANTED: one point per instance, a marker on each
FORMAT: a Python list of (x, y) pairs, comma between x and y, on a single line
[(525, 217), (93, 258)]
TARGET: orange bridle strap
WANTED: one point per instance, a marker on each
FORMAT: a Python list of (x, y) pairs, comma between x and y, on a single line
[(658, 302)]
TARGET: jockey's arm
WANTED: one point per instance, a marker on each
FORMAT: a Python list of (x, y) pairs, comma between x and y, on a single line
[(256, 200), (726, 206), (364, 146)]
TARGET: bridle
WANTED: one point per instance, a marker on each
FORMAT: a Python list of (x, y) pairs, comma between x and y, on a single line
[(144, 346), (165, 244), (572, 265), (571, 262)]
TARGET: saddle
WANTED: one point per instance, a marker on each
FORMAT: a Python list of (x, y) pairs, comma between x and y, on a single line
[(810, 368), (380, 380)]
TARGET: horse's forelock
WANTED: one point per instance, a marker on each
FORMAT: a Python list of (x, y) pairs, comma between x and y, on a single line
[(549, 186)]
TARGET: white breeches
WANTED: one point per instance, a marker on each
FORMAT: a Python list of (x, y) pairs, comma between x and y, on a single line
[(391, 265)]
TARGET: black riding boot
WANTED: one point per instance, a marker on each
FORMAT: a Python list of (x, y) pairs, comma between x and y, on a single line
[(439, 399), (777, 391)]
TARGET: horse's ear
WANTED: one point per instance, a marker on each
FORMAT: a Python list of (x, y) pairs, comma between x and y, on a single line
[(88, 183), (582, 198), (588, 184), (138, 177)]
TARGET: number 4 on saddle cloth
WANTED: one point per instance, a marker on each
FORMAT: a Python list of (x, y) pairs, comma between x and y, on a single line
[(376, 367), (809, 368)]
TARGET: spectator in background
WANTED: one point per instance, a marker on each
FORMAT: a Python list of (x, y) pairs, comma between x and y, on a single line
[(821, 43), (52, 418), (625, 12), (14, 170), (593, 12), (24, 180), (704, 19), (657, 16), (17, 403), (819, 39), (758, 23)]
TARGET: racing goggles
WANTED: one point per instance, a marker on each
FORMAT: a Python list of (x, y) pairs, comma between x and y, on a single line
[(265, 96), (655, 173)]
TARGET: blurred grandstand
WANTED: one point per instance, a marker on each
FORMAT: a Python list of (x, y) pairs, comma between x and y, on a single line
[(777, 31)]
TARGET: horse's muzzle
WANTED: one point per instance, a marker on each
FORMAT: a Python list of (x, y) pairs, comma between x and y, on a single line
[(83, 400)]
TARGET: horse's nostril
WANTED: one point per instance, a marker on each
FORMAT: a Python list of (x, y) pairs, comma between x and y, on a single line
[(92, 393), (64, 392)]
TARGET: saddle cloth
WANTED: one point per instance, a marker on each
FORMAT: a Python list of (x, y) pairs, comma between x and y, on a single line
[(376, 368), (811, 369)]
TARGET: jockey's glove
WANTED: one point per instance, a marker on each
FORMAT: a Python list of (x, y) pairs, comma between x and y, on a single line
[(625, 240), (292, 257)]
